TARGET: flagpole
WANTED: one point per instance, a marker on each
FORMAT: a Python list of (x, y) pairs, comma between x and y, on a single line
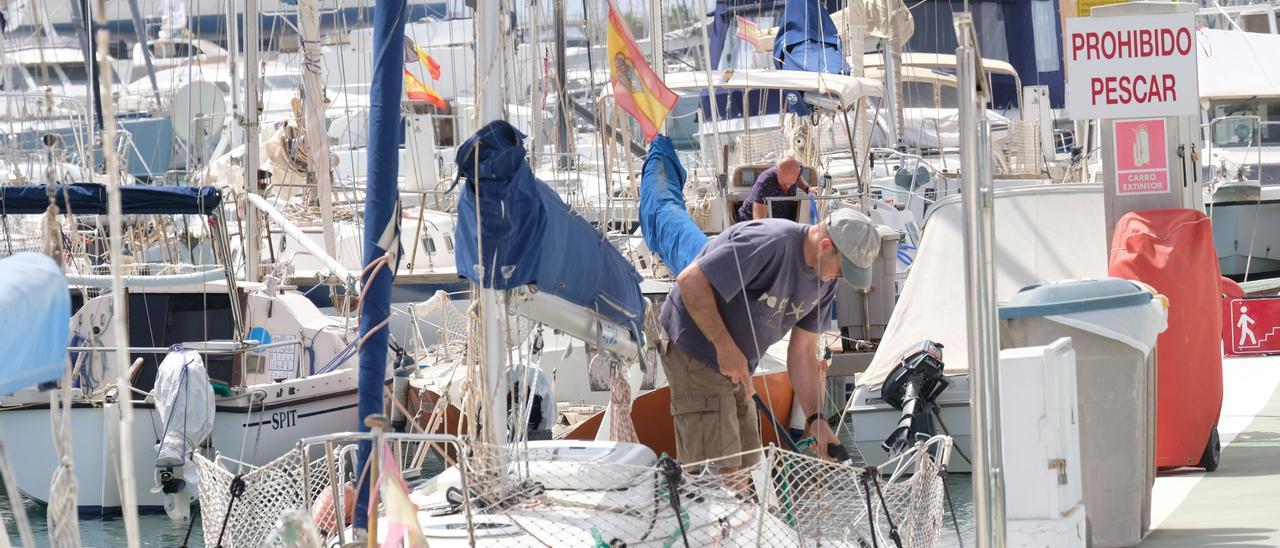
[(657, 48)]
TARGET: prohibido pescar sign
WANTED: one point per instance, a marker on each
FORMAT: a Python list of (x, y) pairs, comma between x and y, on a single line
[(1135, 66)]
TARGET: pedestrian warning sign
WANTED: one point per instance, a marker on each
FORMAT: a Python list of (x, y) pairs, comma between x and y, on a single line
[(1255, 326), (1142, 165)]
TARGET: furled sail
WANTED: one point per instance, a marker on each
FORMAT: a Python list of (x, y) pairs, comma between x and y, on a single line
[(531, 237), (91, 199)]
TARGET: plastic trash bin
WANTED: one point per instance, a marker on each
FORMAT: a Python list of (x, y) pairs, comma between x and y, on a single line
[(1113, 325)]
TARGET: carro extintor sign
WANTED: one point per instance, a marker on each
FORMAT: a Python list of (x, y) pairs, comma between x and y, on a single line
[(1129, 67), (1141, 165)]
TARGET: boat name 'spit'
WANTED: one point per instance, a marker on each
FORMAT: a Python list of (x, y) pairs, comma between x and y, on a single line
[(284, 419)]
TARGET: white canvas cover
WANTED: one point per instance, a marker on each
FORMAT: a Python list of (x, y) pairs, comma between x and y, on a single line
[(184, 400), (1047, 232), (1237, 64)]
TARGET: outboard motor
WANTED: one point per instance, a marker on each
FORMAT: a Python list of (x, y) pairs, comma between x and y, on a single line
[(914, 383), (185, 402)]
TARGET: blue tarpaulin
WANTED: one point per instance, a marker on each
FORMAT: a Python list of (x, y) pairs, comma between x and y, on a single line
[(807, 41), (664, 221), (35, 321), (91, 199), (530, 235)]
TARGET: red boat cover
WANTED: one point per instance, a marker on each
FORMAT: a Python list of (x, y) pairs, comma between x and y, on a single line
[(1172, 251)]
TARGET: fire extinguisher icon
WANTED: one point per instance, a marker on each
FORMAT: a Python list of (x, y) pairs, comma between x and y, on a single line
[(1141, 147)]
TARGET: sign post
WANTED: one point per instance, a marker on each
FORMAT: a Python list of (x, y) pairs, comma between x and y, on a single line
[(1133, 67)]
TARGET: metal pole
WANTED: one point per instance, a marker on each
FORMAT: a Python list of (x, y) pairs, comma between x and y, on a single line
[(140, 30), (535, 80), (562, 75), (980, 300), (711, 96), (488, 109), (252, 241), (233, 54), (891, 90), (657, 46)]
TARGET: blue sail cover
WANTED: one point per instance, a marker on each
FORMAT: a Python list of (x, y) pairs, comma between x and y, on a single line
[(91, 199), (807, 41), (35, 321), (531, 235), (665, 223), (381, 221)]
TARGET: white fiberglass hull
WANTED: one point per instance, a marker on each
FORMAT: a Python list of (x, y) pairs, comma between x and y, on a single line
[(1244, 223), (291, 410)]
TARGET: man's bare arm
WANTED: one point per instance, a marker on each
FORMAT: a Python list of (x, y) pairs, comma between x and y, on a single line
[(759, 211), (809, 382), (699, 300), (806, 376)]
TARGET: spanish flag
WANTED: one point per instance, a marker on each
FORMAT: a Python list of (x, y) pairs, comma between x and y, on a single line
[(415, 90), (411, 51), (636, 88), (433, 67)]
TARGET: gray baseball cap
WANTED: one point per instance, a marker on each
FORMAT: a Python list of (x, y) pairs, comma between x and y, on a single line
[(858, 242)]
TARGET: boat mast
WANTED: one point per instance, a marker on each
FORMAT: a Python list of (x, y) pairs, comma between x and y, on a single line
[(140, 30), (488, 109), (980, 299), (313, 111), (657, 47), (381, 223), (80, 19), (535, 79), (252, 240), (563, 108), (233, 54), (124, 392)]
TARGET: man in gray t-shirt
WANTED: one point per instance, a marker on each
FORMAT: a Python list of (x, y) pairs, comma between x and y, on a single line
[(749, 287)]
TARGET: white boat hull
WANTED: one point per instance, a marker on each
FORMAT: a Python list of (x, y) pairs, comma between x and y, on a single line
[(874, 420), (1244, 227), (291, 410)]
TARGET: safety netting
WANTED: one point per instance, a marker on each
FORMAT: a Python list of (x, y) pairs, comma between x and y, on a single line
[(542, 496)]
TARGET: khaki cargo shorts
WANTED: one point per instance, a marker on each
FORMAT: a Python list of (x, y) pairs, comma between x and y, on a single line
[(714, 419)]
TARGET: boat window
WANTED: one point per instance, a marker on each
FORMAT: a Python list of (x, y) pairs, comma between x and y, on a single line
[(917, 94), (171, 50), (1233, 129), (16, 80), (448, 243), (949, 97), (288, 82), (430, 245)]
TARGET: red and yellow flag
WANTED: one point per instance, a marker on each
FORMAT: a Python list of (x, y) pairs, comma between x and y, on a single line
[(415, 90), (433, 68), (636, 88)]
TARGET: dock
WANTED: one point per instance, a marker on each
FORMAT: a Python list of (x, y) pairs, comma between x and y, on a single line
[(1239, 503)]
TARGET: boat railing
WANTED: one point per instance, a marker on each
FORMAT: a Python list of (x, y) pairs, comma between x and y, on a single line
[(37, 124), (337, 463)]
